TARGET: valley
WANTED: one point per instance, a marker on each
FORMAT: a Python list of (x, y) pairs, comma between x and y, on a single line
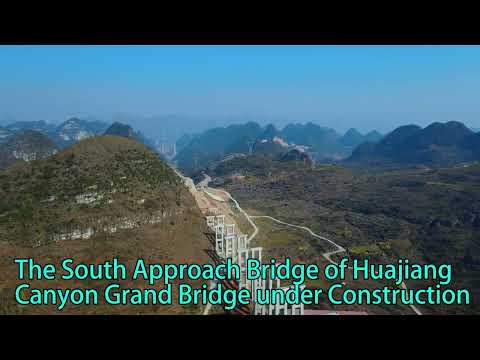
[(286, 241), (288, 203), (329, 154), (377, 216)]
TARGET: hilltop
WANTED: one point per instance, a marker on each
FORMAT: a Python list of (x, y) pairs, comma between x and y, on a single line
[(214, 143), (120, 129), (75, 129), (102, 197), (26, 145), (439, 144), (64, 134), (127, 131), (321, 143), (102, 174), (352, 138)]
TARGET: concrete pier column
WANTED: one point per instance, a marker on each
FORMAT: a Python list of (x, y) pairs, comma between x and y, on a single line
[(219, 240)]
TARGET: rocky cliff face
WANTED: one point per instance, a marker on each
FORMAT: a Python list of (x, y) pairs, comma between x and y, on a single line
[(25, 146), (74, 130), (101, 198), (96, 185)]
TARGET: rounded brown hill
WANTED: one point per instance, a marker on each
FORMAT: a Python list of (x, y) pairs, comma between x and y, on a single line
[(101, 198)]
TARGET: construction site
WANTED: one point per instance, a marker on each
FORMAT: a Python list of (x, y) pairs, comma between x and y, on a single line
[(231, 231)]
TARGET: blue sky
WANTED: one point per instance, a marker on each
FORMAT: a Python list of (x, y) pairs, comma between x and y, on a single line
[(367, 87)]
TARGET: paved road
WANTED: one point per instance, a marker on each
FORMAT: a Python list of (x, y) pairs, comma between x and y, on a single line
[(186, 180), (204, 183), (413, 307), (327, 255), (213, 196), (249, 218)]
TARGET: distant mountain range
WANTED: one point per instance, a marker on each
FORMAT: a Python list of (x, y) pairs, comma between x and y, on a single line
[(319, 142), (353, 138), (65, 134), (40, 126), (119, 129), (439, 144), (215, 143), (4, 134), (33, 140), (127, 131), (74, 130), (26, 145)]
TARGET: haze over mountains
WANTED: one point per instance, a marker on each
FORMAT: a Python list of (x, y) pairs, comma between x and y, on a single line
[(108, 193), (33, 140), (25, 145), (320, 142), (439, 144), (64, 134)]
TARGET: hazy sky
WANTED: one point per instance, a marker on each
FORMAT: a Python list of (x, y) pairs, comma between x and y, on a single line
[(367, 87)]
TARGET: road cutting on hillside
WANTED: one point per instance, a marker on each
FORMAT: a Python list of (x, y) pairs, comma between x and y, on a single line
[(220, 198)]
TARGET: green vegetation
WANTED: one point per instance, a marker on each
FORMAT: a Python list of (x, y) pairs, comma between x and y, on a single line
[(404, 213), (117, 198), (323, 143), (436, 145), (94, 183)]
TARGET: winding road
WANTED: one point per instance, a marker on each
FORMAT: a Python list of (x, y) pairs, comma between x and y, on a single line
[(249, 218), (325, 255), (339, 249)]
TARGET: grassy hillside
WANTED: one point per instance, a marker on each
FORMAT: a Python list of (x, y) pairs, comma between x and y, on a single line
[(427, 216), (102, 197)]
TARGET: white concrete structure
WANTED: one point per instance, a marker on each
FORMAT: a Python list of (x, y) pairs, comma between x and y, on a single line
[(281, 309), (211, 221), (242, 241), (230, 241), (220, 219), (215, 220), (219, 241), (236, 247), (243, 256), (230, 229)]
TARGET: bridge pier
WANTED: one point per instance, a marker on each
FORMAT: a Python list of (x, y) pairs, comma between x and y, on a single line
[(230, 245)]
